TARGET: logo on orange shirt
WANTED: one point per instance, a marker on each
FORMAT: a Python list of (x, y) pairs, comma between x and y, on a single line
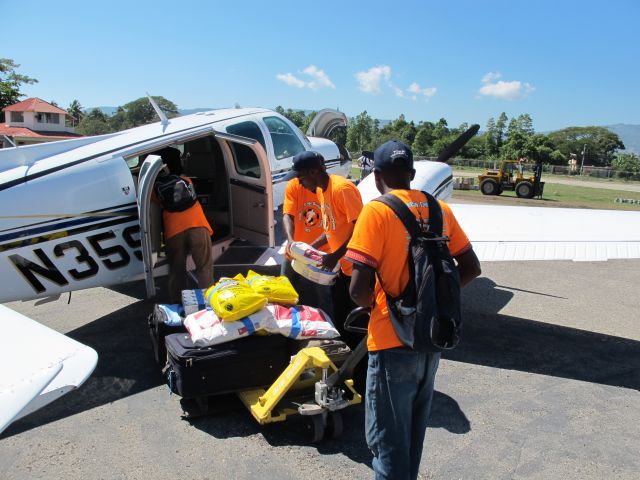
[(311, 215)]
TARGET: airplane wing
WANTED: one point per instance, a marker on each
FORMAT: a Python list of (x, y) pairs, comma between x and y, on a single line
[(40, 365), (500, 233)]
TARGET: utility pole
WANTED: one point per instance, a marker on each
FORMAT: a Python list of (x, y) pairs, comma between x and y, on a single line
[(584, 150)]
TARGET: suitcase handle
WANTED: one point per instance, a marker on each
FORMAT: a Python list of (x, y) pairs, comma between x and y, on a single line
[(353, 315)]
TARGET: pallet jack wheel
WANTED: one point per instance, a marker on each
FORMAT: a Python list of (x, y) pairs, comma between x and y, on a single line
[(334, 424), (315, 428)]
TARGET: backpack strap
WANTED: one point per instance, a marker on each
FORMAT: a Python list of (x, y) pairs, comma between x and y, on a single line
[(435, 215), (402, 212)]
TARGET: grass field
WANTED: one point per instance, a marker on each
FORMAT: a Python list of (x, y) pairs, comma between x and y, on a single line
[(556, 195)]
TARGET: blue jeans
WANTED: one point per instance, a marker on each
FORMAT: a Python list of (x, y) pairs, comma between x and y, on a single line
[(398, 400), (309, 293)]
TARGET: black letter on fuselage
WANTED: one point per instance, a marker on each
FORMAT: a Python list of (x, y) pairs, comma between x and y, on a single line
[(83, 257), (27, 268)]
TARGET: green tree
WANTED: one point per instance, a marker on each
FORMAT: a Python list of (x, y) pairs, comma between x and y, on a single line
[(94, 123), (307, 121), (627, 165), (360, 133), (500, 134), (140, 112), (423, 139), (10, 83), (598, 143), (75, 110)]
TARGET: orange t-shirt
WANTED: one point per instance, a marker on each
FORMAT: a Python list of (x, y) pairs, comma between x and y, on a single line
[(304, 207), (381, 242), (341, 204), (178, 222)]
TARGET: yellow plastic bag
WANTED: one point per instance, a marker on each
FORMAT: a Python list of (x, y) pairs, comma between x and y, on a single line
[(276, 289), (233, 298)]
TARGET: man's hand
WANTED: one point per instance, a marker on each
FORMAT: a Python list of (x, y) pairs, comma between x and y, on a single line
[(329, 261)]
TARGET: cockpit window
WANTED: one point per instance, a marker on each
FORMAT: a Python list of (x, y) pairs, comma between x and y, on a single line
[(249, 130), (285, 142)]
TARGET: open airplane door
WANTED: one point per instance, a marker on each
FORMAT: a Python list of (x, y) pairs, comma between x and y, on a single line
[(251, 190), (325, 122), (148, 173)]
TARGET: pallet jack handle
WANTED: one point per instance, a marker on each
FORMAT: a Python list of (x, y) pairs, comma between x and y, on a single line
[(346, 369)]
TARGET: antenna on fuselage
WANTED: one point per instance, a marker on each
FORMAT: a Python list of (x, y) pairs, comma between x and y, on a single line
[(163, 118)]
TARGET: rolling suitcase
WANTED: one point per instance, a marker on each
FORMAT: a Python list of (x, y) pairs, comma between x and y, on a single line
[(248, 362)]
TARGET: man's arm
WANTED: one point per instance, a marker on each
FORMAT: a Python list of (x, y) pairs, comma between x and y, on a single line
[(289, 227), (468, 266), (362, 285), (321, 241), (330, 259)]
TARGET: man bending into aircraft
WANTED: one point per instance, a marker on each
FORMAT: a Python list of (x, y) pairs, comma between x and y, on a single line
[(185, 232)]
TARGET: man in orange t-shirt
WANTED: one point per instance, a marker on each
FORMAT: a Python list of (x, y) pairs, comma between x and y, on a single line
[(399, 380), (186, 232), (302, 221), (340, 204)]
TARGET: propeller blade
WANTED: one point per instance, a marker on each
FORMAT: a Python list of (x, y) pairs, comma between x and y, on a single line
[(458, 143)]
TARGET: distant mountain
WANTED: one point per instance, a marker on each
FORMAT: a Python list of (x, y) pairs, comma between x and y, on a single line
[(629, 134)]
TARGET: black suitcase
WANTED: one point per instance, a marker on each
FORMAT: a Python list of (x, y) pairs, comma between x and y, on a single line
[(158, 330), (248, 362)]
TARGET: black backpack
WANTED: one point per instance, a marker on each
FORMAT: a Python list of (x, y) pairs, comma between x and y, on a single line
[(427, 315), (175, 193)]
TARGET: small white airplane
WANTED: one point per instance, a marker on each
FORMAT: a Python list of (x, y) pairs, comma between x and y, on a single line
[(77, 214)]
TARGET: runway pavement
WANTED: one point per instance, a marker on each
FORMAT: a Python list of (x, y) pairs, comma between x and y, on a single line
[(545, 385)]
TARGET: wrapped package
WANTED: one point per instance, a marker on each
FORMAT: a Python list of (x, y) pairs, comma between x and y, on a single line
[(193, 301), (307, 261), (206, 328), (276, 289), (299, 322), (233, 298)]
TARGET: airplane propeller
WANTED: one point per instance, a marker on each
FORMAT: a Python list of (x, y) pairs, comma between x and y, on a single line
[(458, 143)]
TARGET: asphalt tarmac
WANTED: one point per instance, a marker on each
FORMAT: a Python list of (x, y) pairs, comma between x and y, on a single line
[(545, 385)]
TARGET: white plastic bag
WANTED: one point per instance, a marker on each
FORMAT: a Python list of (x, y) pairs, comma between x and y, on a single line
[(207, 329), (299, 322)]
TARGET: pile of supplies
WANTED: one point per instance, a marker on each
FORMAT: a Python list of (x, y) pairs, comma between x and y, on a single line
[(237, 307)]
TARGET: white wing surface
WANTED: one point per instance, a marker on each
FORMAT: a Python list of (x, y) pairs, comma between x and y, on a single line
[(500, 233), (39, 365)]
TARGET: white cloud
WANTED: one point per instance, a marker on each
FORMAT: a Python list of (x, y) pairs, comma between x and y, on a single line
[(370, 80), (493, 87), (491, 77), (291, 80), (320, 79), (426, 92)]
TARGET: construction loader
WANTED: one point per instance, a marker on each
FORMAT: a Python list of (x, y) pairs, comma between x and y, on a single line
[(511, 177)]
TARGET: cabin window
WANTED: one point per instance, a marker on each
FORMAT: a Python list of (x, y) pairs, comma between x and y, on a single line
[(249, 130), (17, 117), (285, 142)]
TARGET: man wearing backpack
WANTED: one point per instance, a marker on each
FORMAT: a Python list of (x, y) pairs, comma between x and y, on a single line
[(400, 379), (186, 229)]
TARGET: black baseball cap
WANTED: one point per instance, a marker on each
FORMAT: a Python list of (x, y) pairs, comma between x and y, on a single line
[(304, 161), (393, 155)]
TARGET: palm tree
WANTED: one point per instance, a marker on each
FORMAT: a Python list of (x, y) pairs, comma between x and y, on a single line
[(75, 110)]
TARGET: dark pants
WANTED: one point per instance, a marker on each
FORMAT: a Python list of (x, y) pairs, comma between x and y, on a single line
[(398, 399), (195, 241), (309, 293)]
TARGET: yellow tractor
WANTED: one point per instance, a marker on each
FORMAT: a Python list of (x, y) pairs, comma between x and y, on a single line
[(511, 177)]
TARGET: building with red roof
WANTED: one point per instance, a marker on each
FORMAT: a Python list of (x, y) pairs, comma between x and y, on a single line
[(34, 121)]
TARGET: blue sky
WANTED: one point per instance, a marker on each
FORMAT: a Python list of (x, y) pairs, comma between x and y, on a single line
[(564, 62)]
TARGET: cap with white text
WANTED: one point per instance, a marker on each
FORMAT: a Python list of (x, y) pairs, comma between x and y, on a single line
[(393, 155)]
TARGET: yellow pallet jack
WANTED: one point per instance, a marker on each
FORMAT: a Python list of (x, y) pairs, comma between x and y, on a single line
[(311, 386)]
